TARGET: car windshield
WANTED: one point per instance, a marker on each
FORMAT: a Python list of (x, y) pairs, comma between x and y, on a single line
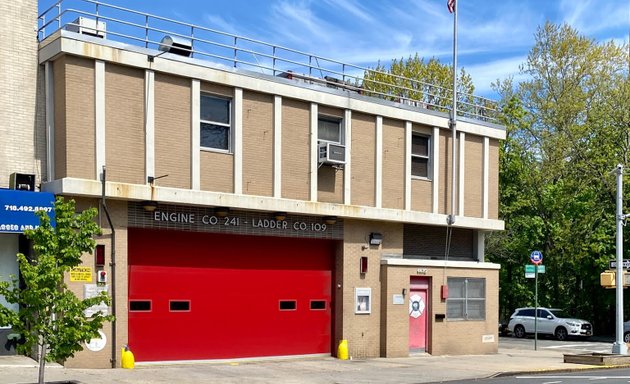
[(560, 313)]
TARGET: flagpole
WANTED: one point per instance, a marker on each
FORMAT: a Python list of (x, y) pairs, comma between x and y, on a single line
[(453, 120)]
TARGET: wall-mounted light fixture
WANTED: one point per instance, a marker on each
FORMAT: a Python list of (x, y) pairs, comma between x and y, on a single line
[(149, 205), (221, 211), (404, 292), (280, 216), (330, 220), (376, 238)]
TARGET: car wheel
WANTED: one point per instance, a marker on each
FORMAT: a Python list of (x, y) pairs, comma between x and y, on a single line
[(561, 333), (519, 331), (626, 337)]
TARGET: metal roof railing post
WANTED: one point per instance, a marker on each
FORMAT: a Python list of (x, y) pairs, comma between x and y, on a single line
[(273, 54), (235, 49), (96, 30), (146, 31), (192, 40), (58, 16), (310, 65)]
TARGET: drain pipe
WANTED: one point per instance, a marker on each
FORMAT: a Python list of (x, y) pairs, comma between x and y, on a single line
[(112, 265)]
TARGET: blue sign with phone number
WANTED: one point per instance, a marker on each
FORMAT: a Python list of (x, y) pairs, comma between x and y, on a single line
[(17, 209)]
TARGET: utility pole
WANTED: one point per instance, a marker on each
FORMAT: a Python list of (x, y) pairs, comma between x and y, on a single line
[(619, 347)]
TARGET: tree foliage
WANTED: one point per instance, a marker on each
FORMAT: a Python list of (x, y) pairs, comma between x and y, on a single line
[(567, 128), (51, 319), (419, 82)]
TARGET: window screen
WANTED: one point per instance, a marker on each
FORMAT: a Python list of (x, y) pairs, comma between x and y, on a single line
[(329, 129), (215, 115), (420, 155), (466, 299)]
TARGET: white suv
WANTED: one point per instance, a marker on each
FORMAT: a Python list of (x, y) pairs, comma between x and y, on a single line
[(551, 321)]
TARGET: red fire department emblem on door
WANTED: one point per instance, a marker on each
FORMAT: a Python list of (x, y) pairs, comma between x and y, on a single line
[(416, 306)]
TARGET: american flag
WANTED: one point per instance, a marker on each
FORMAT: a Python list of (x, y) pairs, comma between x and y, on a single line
[(451, 5)]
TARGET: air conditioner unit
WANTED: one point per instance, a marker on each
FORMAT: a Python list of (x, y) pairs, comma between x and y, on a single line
[(87, 26), (332, 153), (22, 181)]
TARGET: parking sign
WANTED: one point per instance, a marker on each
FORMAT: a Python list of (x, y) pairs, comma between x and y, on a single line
[(536, 257)]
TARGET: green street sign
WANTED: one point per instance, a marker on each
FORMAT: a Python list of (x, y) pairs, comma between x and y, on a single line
[(530, 270)]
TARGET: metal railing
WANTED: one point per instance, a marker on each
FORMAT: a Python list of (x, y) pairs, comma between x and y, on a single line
[(229, 50)]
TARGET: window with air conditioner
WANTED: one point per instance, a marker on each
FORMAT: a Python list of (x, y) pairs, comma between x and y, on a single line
[(330, 140), (216, 123), (420, 156)]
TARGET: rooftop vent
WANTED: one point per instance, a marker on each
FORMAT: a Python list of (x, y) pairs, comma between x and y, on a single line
[(177, 45), (87, 26)]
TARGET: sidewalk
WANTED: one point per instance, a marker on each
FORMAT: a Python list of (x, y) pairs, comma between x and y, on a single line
[(415, 369)]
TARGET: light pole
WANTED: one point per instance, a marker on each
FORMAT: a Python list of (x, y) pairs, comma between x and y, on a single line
[(619, 347)]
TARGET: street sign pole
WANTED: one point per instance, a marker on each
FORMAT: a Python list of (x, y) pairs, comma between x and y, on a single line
[(536, 310), (619, 347)]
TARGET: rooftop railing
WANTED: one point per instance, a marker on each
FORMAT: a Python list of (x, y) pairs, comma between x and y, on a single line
[(228, 50)]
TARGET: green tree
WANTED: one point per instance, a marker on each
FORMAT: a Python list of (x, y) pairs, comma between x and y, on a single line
[(427, 83), (568, 126), (51, 319)]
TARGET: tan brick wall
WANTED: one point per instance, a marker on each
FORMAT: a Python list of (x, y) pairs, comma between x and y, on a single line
[(473, 176), (446, 337), (217, 89), (464, 337), (422, 189), (258, 140), (217, 171), (79, 140), (445, 169), (22, 148), (363, 330), (395, 323), (124, 124), (363, 159), (118, 212), (330, 184), (59, 75), (493, 180), (173, 130), (330, 111), (295, 149), (421, 195), (393, 164)]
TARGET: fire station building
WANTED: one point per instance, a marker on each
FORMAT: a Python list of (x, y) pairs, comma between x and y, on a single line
[(255, 208)]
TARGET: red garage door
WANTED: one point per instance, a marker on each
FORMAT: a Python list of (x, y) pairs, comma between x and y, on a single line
[(213, 296)]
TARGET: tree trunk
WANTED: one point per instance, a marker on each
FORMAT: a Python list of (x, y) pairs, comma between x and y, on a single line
[(42, 363)]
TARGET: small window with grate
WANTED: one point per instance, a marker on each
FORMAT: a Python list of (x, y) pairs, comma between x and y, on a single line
[(139, 305)]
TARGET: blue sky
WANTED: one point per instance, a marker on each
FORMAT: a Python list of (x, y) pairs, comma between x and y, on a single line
[(494, 36)]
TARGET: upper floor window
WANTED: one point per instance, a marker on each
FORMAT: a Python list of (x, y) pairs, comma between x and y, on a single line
[(330, 129), (420, 155), (216, 122)]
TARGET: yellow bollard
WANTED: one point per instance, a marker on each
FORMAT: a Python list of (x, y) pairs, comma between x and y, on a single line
[(342, 351), (127, 360)]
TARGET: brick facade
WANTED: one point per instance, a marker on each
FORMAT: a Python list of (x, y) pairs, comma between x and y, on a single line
[(243, 179)]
